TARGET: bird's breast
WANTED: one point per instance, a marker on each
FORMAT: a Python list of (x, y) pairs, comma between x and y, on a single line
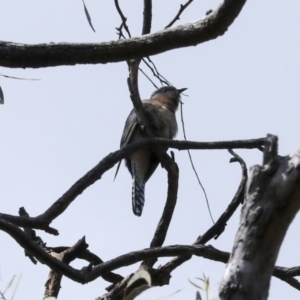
[(162, 120)]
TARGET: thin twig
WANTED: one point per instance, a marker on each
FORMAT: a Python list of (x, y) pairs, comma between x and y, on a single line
[(146, 29), (219, 226), (58, 207), (123, 18), (147, 17), (155, 73), (120, 32), (2, 296), (192, 164), (182, 8), (160, 75), (148, 78)]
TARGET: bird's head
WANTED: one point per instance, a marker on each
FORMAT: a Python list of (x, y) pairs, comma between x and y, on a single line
[(168, 94)]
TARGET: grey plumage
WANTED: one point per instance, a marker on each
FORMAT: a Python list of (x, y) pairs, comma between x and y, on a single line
[(160, 110)]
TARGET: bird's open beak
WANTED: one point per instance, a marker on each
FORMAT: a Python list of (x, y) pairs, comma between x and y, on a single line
[(181, 90)]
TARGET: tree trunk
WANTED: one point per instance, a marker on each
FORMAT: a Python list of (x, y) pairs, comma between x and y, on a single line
[(272, 199)]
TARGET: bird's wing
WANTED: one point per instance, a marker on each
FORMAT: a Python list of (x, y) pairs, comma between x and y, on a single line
[(130, 127)]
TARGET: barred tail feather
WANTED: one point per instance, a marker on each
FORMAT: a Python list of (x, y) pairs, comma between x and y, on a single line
[(138, 196)]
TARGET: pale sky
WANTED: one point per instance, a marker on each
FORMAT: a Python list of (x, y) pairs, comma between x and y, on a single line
[(242, 85)]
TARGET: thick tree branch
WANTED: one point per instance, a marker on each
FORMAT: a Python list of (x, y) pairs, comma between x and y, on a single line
[(89, 274), (272, 200), (25, 242), (43, 256), (160, 277), (288, 272), (128, 259), (63, 254), (163, 225), (42, 221), (66, 256), (215, 24), (287, 275), (165, 220)]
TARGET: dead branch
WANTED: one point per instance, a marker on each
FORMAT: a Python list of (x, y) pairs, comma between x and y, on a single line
[(219, 226), (147, 17), (177, 17), (216, 230), (58, 207), (66, 256), (215, 24), (272, 200), (287, 275), (90, 273), (124, 19)]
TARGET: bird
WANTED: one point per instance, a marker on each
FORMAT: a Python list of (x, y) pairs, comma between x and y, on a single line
[(160, 110)]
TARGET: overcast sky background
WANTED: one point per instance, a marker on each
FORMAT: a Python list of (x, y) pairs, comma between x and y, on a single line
[(242, 85)]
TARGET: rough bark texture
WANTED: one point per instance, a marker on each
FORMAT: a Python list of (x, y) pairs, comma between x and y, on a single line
[(272, 200), (215, 24)]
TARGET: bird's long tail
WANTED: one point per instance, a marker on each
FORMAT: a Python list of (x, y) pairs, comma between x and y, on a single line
[(138, 196)]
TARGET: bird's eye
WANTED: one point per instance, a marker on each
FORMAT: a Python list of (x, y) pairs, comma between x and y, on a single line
[(163, 90)]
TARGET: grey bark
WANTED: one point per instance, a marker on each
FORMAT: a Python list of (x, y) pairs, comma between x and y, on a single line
[(215, 24), (272, 199)]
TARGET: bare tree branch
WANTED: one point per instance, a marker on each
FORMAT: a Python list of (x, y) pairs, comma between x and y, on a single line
[(29, 221), (147, 17), (163, 225), (219, 226), (62, 253), (272, 190), (272, 200), (123, 18), (270, 149), (25, 242), (165, 220), (45, 55), (193, 166), (42, 221), (89, 274), (148, 78), (216, 230), (287, 274), (177, 17), (42, 255), (66, 256), (207, 252), (155, 72)]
